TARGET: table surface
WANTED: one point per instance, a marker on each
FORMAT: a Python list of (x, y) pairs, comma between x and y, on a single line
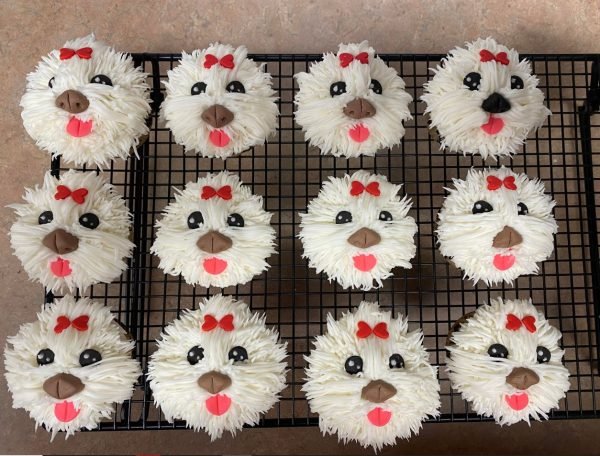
[(28, 30)]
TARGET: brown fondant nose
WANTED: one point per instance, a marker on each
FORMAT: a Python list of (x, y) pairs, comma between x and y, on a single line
[(508, 237), (72, 101), (359, 108), (214, 382), (63, 386), (378, 391), (61, 242), (217, 116), (522, 378), (364, 238), (214, 242)]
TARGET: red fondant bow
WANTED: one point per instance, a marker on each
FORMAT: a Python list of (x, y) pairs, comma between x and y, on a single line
[(225, 323), (346, 58), (208, 192), (357, 188), (63, 192), (513, 322), (63, 322), (494, 183), (83, 53), (379, 330), (500, 57), (225, 61)]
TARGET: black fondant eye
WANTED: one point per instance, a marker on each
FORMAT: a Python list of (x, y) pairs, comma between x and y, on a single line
[(396, 361), (238, 354), (235, 220), (516, 82), (51, 82), (89, 356), (482, 206), (354, 365), (337, 88), (523, 209), (45, 217), (376, 86), (45, 356), (543, 355), (472, 81), (235, 87), (195, 354), (194, 220), (101, 79), (385, 216), (89, 220), (498, 351), (343, 217), (198, 88)]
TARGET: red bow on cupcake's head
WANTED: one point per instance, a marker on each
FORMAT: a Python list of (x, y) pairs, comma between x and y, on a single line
[(209, 192), (500, 57), (514, 323), (63, 322), (226, 61), (347, 58), (225, 323), (379, 330), (357, 188), (84, 53), (494, 183)]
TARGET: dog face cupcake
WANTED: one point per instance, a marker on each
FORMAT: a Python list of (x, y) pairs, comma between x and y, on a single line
[(72, 232), (215, 233), (87, 103), (369, 379), (219, 102), (505, 360), (69, 367), (483, 100), (351, 103), (496, 225), (357, 230), (218, 368)]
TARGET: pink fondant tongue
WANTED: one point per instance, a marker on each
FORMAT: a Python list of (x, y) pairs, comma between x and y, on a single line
[(65, 411), (60, 267), (214, 265), (379, 417), (504, 262), (79, 128), (359, 133), (364, 262), (493, 126), (218, 404), (219, 138), (517, 401)]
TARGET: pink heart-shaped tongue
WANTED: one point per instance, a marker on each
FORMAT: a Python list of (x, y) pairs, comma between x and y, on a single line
[(364, 262), (65, 411), (504, 262), (214, 265), (493, 126), (219, 138), (218, 404), (517, 401), (60, 267), (79, 128), (359, 133), (379, 417)]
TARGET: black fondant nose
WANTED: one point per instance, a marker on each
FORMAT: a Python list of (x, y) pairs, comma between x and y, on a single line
[(495, 104)]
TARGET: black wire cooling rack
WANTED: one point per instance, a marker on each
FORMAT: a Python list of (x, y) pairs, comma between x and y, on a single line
[(565, 154)]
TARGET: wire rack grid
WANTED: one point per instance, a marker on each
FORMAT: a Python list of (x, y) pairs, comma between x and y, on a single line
[(288, 173)]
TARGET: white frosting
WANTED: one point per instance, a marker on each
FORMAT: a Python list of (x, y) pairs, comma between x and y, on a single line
[(336, 395), (254, 383), (105, 382), (457, 112), (482, 379), (467, 238), (322, 116), (327, 242), (117, 113), (101, 252), (176, 243), (255, 111)]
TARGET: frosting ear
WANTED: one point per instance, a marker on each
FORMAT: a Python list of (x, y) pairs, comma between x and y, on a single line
[(456, 326)]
